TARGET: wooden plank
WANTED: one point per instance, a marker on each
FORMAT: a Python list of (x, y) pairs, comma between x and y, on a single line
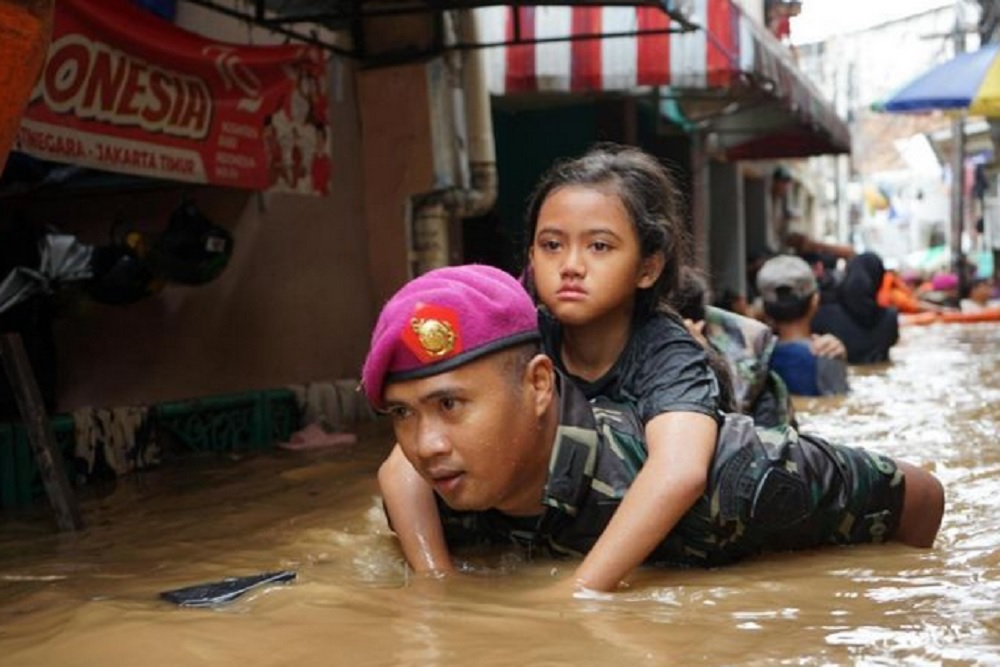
[(48, 458)]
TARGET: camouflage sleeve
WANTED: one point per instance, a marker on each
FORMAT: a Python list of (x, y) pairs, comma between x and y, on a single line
[(747, 346)]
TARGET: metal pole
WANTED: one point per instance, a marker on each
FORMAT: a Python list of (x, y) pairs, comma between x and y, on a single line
[(958, 199), (958, 171), (700, 200), (48, 458)]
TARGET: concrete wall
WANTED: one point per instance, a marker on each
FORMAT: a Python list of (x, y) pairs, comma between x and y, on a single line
[(726, 232), (397, 163)]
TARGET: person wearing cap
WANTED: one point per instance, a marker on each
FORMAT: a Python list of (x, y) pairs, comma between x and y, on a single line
[(790, 294), (518, 457)]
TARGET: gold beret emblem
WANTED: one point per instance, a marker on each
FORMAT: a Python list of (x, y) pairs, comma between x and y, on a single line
[(435, 336)]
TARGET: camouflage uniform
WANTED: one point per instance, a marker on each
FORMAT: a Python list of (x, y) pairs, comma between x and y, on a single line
[(747, 346), (768, 489)]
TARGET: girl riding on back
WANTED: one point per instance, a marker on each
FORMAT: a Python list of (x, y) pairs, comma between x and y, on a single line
[(606, 249)]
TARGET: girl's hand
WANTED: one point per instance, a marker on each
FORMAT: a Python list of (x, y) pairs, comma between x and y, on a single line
[(680, 446)]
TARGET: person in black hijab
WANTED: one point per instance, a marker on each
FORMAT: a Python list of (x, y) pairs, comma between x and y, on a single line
[(855, 317)]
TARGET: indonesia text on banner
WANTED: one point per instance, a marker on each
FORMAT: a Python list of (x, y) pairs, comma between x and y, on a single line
[(125, 91)]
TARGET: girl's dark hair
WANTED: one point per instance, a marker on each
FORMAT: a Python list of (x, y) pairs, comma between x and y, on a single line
[(692, 295), (650, 196)]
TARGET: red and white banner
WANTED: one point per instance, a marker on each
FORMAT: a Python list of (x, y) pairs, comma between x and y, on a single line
[(125, 91)]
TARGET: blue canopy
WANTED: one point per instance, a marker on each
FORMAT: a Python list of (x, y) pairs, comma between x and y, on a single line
[(969, 81)]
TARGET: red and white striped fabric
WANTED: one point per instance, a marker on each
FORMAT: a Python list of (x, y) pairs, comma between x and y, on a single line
[(729, 48), (698, 59)]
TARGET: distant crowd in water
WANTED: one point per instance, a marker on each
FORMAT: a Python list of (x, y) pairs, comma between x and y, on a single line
[(817, 289)]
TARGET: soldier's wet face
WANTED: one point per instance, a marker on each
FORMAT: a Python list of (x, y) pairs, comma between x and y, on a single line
[(474, 432)]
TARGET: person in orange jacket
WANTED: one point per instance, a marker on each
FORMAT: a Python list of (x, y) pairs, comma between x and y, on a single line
[(896, 293)]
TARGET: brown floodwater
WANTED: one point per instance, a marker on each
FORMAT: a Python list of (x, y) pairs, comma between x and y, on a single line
[(92, 598)]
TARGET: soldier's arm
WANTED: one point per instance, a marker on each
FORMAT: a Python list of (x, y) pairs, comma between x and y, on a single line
[(413, 515)]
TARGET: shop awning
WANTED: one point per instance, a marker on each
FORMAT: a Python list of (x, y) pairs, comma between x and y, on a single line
[(343, 26), (729, 78)]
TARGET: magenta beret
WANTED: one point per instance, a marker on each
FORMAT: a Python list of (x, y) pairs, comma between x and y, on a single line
[(444, 319)]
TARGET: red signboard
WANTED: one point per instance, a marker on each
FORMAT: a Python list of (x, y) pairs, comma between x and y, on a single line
[(125, 91)]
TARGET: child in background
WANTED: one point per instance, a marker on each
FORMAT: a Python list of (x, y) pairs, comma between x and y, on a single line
[(607, 247), (790, 293)]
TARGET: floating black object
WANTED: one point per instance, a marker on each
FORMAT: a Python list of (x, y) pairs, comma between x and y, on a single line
[(225, 590)]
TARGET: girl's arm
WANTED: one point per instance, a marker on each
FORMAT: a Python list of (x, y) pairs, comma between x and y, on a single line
[(413, 514), (681, 446)]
